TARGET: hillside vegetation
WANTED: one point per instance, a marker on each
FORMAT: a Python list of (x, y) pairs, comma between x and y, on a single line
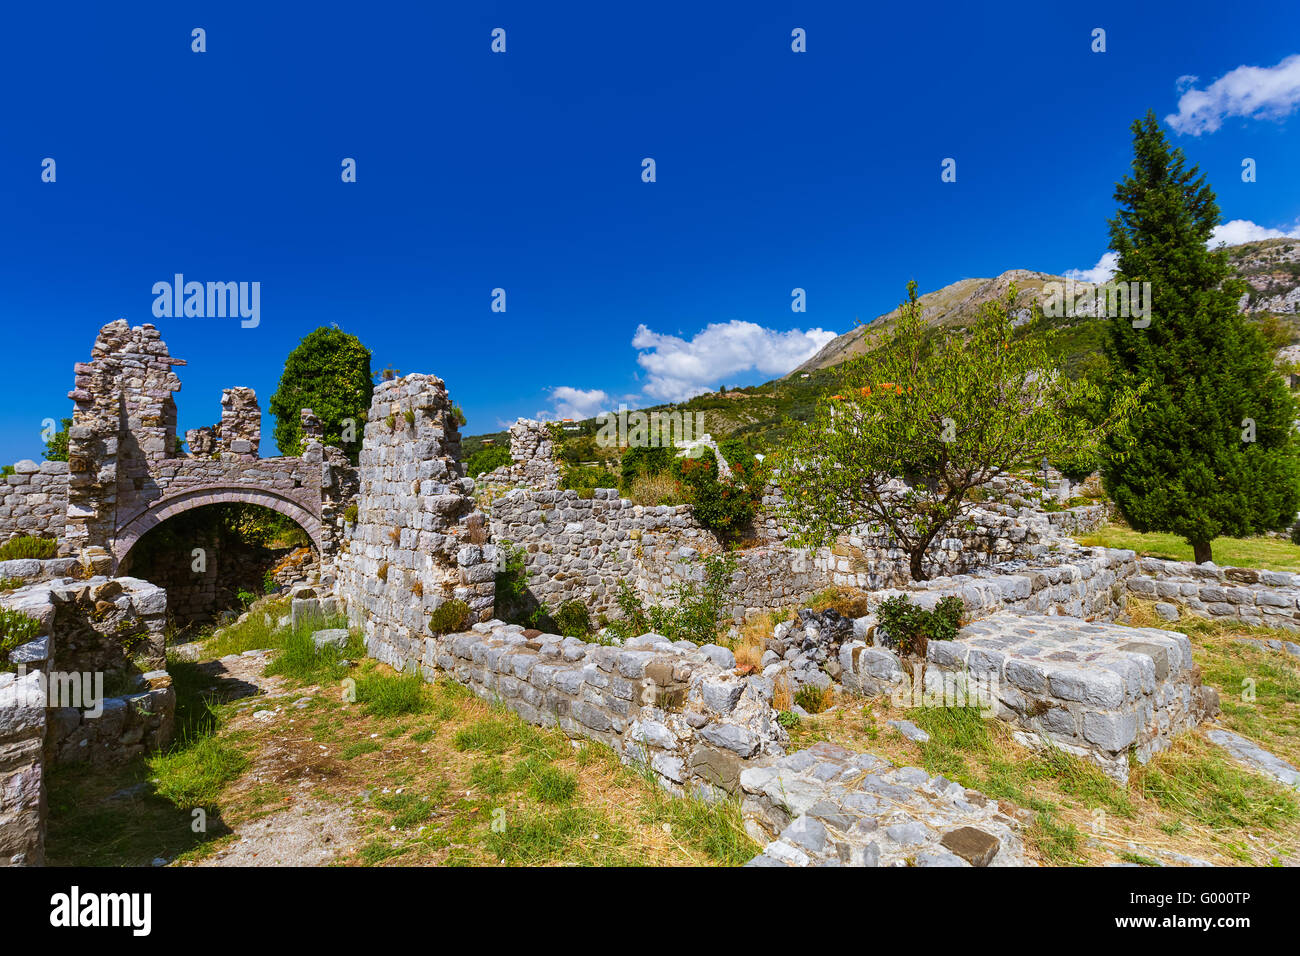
[(763, 415)]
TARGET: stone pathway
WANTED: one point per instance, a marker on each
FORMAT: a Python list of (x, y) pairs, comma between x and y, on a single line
[(307, 834), (1255, 757), (829, 806)]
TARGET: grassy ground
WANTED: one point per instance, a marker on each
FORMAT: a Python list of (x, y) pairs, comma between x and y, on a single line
[(1272, 553), (1190, 800), (431, 775)]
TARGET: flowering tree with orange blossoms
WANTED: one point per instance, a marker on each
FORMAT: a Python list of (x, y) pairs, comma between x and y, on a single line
[(924, 416)]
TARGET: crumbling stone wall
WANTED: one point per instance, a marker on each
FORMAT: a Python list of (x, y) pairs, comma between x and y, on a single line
[(581, 548), (123, 422), (94, 635), (241, 423), (1096, 690), (35, 500), (1249, 595), (126, 474), (533, 463), (418, 540), (677, 708), (22, 771)]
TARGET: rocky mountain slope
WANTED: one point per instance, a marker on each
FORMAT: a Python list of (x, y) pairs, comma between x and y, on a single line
[(1270, 267)]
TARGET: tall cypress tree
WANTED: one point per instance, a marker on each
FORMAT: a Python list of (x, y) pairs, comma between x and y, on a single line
[(1214, 449)]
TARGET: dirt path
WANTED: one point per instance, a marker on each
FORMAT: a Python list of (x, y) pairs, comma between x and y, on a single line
[(308, 832)]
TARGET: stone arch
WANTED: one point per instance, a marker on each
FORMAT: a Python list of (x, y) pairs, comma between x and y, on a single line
[(159, 511)]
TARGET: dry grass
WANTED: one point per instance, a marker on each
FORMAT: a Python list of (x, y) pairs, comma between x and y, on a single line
[(660, 489), (849, 602)]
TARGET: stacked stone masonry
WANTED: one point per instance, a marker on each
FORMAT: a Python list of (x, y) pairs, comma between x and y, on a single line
[(126, 473), (53, 708), (1262, 598), (829, 806), (35, 501), (673, 706), (418, 540), (1094, 689)]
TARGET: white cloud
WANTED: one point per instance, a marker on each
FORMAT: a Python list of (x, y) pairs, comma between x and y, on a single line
[(1249, 91), (1232, 233), (576, 403), (1243, 230), (1101, 272), (679, 368)]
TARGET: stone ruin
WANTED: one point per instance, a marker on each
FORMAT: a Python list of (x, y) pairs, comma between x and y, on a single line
[(401, 534), (418, 540)]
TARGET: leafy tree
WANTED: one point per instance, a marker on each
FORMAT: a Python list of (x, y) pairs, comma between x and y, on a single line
[(56, 449), (1214, 450), (486, 459), (328, 372), (939, 410)]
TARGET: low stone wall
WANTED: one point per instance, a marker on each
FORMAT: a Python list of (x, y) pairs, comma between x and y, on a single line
[(30, 570), (1263, 598), (829, 806), (22, 771), (35, 500), (1078, 582), (675, 707), (581, 548), (98, 633), (93, 634), (1097, 690)]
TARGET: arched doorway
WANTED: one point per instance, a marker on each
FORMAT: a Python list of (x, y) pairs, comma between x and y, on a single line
[(214, 558)]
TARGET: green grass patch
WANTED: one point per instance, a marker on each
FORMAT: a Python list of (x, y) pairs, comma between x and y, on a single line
[(1202, 785), (1272, 553), (301, 660), (254, 633), (194, 776), (571, 836), (392, 695), (352, 751)]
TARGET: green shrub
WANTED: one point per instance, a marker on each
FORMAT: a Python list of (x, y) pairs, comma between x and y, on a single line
[(725, 507), (16, 629), (573, 619), (350, 513), (691, 611), (449, 617), (584, 479), (28, 547), (642, 461), (909, 627), (487, 459)]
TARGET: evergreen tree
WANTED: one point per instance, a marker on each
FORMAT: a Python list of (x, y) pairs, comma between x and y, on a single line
[(56, 449), (1214, 450), (328, 372)]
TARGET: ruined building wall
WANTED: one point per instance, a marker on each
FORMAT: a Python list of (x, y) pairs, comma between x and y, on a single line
[(532, 455), (125, 466), (418, 539), (34, 500), (123, 420)]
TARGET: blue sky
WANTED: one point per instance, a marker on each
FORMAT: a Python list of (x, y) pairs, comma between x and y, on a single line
[(523, 171)]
